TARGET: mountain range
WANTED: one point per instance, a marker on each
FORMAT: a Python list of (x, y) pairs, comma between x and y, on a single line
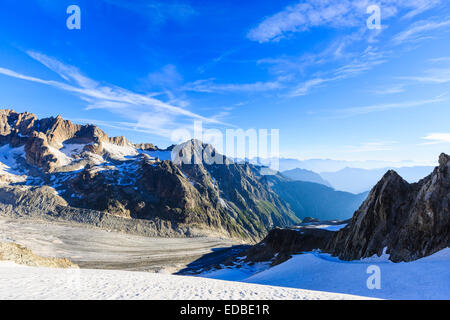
[(331, 165), (399, 221), (298, 174), (53, 168), (308, 199), (356, 180), (349, 176)]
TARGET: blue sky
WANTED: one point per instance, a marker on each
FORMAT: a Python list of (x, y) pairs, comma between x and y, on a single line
[(313, 69)]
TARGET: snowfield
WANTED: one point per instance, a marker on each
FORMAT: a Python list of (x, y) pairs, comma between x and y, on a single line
[(426, 278), (21, 282), (311, 275), (9, 166), (119, 152)]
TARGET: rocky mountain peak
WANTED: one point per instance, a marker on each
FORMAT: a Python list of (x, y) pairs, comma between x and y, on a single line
[(390, 183), (391, 175), (49, 142), (409, 220), (444, 160)]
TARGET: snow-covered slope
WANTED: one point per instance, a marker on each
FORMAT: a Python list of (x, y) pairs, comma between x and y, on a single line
[(20, 282), (427, 278), (9, 166)]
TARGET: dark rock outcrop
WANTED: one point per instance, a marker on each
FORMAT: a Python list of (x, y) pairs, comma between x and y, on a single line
[(310, 219), (281, 243), (146, 146), (277, 247), (410, 220)]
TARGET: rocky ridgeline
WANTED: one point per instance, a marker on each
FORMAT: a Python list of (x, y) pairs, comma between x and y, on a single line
[(53, 168), (43, 138), (406, 221), (410, 220)]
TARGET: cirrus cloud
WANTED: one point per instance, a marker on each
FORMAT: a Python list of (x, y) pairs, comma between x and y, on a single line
[(159, 115), (332, 14), (437, 138)]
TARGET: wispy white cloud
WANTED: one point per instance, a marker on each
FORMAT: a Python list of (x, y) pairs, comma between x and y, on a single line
[(308, 85), (372, 146), (210, 86), (160, 116), (167, 77), (300, 17), (434, 76), (440, 60), (331, 14), (139, 126), (345, 57), (420, 6), (390, 89), (287, 70), (365, 62), (157, 12), (437, 138), (348, 112), (420, 30), (335, 51)]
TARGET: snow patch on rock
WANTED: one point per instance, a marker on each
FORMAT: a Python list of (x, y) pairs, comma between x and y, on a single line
[(117, 152), (9, 167)]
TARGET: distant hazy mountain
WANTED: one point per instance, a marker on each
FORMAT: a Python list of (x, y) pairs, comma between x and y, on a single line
[(308, 199), (316, 165), (306, 176), (359, 180), (330, 165)]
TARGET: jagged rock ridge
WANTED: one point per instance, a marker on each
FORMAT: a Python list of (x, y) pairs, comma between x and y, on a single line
[(410, 220), (406, 221), (89, 170)]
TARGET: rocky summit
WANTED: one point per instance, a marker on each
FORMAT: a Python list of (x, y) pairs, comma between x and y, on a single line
[(407, 221), (54, 169)]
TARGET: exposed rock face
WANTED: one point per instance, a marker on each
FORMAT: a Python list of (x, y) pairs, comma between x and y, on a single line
[(91, 171), (43, 203), (281, 243), (146, 146), (310, 219), (410, 220), (44, 138), (233, 199), (277, 247)]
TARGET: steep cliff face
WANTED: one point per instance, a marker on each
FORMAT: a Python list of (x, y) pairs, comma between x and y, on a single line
[(410, 220), (90, 170)]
